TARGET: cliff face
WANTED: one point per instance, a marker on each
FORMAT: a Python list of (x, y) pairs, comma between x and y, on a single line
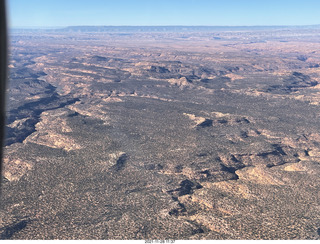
[(155, 136)]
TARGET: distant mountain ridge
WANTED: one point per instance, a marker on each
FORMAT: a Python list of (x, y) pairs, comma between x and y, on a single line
[(170, 28)]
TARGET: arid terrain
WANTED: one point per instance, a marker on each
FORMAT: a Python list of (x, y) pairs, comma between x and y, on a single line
[(163, 133)]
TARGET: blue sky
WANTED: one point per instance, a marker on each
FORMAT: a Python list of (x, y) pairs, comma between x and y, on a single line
[(46, 13)]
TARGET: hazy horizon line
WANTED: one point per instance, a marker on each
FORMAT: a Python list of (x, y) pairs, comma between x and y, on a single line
[(68, 26)]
